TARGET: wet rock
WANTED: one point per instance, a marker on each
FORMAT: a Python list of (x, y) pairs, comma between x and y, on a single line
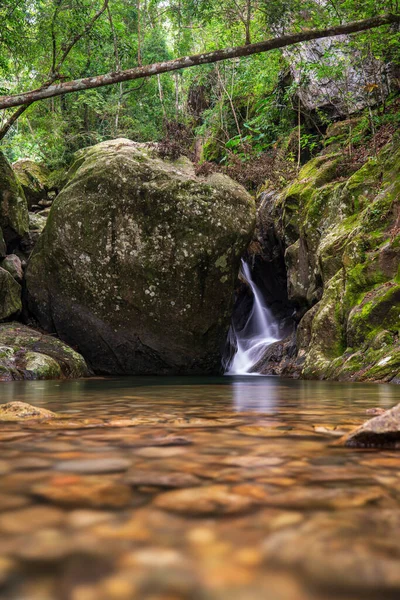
[(29, 354), (18, 411), (12, 264), (95, 465), (30, 519), (126, 215), (342, 555), (212, 500), (84, 492), (162, 479), (382, 431), (10, 296)]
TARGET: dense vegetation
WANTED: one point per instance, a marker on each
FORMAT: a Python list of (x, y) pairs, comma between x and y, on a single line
[(227, 113)]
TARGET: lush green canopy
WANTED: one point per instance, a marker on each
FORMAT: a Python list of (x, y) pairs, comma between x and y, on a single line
[(238, 104)]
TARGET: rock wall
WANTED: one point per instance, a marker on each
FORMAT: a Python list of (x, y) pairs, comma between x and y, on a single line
[(340, 231)]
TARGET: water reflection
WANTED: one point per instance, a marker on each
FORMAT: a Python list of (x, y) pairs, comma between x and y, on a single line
[(250, 394)]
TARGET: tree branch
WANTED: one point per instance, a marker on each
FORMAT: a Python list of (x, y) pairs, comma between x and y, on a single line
[(54, 72), (194, 60)]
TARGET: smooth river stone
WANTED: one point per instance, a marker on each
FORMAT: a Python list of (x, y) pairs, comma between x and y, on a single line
[(94, 466), (30, 519), (354, 554), (84, 491), (18, 411), (382, 431), (252, 461), (211, 500), (162, 479)]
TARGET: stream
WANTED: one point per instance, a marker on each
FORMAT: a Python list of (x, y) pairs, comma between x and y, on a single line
[(225, 488)]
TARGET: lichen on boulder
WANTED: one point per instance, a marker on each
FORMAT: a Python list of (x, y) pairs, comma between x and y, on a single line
[(10, 296), (138, 260), (34, 179), (29, 354), (13, 206)]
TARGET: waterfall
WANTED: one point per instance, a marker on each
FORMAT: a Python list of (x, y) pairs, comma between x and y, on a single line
[(259, 331)]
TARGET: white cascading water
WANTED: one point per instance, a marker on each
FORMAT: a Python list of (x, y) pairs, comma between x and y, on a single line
[(260, 330)]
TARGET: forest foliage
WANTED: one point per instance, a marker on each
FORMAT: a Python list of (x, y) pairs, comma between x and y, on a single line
[(228, 113)]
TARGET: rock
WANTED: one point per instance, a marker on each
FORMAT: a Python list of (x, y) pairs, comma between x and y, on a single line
[(18, 411), (84, 492), (138, 260), (210, 500), (29, 354), (10, 296), (13, 207), (30, 519), (337, 94), (12, 264), (162, 479), (33, 178), (3, 249), (382, 431), (94, 465)]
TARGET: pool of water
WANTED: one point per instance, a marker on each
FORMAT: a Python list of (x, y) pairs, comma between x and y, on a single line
[(228, 488)]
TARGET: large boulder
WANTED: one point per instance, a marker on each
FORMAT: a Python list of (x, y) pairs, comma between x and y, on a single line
[(138, 260), (14, 221), (29, 354)]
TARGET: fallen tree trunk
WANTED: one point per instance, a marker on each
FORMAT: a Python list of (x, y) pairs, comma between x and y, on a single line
[(140, 72)]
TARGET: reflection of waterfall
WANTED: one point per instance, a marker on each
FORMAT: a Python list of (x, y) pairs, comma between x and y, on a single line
[(259, 331)]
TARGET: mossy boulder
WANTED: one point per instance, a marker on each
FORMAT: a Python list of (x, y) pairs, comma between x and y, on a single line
[(10, 296), (34, 179), (14, 221), (138, 260), (29, 354)]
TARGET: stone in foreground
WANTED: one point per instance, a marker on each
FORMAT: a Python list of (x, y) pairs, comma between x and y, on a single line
[(19, 411), (138, 260), (382, 431), (29, 354)]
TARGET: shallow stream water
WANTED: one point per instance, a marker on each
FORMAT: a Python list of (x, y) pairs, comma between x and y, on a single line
[(197, 489)]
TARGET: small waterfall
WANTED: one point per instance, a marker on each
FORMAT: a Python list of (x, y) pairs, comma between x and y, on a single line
[(259, 331)]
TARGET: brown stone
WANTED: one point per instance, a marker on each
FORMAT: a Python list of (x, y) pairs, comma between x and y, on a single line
[(209, 500), (18, 411), (162, 479), (84, 492), (382, 431)]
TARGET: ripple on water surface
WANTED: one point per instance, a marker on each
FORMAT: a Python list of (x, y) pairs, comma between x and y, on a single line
[(211, 488)]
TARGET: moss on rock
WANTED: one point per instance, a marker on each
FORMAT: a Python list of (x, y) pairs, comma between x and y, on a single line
[(29, 354), (13, 206), (345, 243), (34, 179), (10, 296)]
